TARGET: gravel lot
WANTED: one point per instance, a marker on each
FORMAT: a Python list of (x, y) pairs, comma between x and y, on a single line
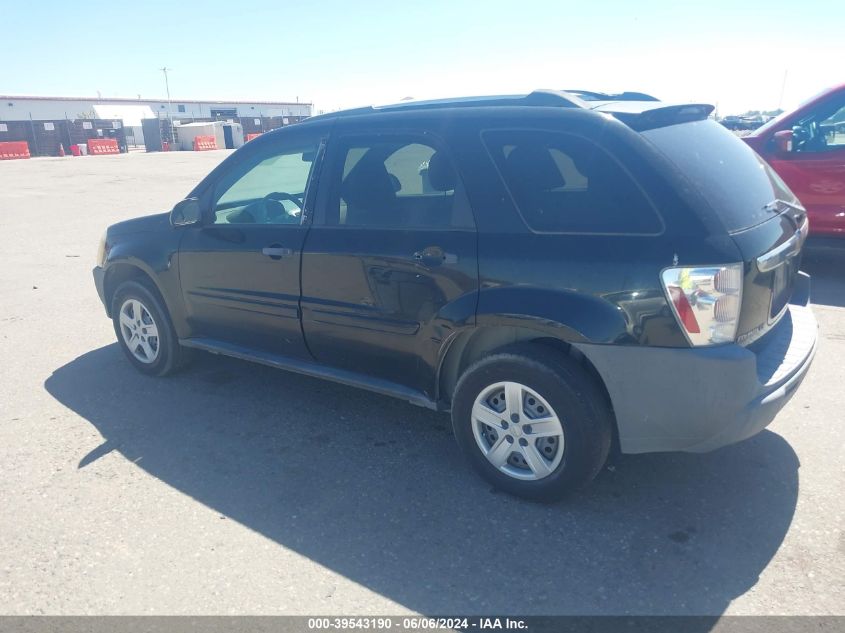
[(233, 488)]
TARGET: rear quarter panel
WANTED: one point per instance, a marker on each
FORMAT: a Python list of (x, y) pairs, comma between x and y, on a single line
[(583, 287)]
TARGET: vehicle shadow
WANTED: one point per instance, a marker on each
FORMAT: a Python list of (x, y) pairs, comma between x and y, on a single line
[(375, 489), (827, 268)]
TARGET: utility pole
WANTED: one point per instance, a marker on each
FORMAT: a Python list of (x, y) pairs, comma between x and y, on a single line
[(782, 88), (169, 103)]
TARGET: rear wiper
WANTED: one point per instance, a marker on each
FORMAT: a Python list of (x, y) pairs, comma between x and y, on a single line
[(775, 205)]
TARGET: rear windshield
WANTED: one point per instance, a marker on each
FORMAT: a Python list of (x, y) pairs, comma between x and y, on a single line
[(736, 182)]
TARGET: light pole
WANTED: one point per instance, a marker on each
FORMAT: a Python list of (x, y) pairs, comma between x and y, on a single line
[(782, 88), (169, 103)]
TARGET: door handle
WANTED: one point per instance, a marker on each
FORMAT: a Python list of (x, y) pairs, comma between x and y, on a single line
[(434, 256), (276, 251)]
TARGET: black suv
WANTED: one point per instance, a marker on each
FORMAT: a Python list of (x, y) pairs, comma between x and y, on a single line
[(561, 275)]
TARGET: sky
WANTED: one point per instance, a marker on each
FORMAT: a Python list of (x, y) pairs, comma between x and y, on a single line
[(740, 55)]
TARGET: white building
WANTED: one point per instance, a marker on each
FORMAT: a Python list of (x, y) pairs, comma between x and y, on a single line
[(22, 108), (187, 132)]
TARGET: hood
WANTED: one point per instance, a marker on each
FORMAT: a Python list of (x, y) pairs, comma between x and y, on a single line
[(146, 224)]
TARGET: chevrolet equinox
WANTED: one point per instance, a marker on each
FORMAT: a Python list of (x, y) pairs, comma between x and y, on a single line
[(561, 275)]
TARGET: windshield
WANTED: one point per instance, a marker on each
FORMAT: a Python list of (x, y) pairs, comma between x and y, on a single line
[(734, 180)]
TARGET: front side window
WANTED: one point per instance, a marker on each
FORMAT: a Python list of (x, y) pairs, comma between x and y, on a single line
[(269, 189), (823, 130), (563, 183), (399, 182)]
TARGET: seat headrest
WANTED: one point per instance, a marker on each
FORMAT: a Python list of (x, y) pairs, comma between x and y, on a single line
[(441, 173), (532, 166), (368, 185)]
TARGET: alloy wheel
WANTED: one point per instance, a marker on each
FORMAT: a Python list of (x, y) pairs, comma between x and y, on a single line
[(139, 330)]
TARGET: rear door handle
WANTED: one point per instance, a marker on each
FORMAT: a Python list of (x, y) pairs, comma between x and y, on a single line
[(434, 256), (276, 251)]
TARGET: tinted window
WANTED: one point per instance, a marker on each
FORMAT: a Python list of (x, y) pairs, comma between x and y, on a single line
[(396, 183), (736, 182), (268, 189), (566, 184)]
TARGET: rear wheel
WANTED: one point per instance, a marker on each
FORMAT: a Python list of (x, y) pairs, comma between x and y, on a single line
[(144, 330), (532, 422)]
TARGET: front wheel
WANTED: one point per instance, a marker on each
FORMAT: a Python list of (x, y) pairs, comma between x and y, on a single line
[(144, 330), (532, 422)]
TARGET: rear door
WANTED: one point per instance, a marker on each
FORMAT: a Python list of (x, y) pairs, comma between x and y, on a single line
[(239, 270), (389, 267)]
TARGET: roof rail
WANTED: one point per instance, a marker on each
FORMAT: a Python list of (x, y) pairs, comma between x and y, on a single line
[(537, 97), (555, 98), (549, 98)]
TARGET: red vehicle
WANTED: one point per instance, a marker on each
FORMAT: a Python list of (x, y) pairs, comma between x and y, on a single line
[(806, 147)]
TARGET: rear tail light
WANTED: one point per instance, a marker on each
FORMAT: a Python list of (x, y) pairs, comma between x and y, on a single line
[(706, 301)]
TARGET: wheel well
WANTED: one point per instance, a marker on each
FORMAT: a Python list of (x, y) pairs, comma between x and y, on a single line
[(470, 347), (119, 273)]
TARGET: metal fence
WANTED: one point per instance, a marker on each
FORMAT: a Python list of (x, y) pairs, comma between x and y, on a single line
[(50, 137)]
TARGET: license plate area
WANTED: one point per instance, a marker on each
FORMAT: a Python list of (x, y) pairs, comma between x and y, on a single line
[(783, 279)]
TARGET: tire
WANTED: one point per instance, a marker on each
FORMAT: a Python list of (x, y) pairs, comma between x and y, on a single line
[(549, 385), (153, 355)]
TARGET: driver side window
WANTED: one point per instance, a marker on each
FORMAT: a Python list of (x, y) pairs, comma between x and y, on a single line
[(269, 189), (822, 131), (833, 128)]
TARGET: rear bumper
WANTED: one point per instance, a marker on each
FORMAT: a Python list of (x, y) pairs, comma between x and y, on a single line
[(699, 399)]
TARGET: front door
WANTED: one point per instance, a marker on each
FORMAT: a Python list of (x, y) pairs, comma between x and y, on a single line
[(239, 270), (389, 268)]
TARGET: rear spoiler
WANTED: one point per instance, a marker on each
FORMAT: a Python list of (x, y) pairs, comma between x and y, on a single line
[(661, 116)]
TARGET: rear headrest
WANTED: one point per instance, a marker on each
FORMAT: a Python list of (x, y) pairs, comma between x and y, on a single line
[(533, 167), (441, 174), (369, 185)]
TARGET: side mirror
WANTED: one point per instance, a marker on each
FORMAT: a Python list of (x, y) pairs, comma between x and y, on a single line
[(186, 212), (783, 141)]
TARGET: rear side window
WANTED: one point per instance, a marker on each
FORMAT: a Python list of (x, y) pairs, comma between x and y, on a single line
[(734, 180), (396, 182), (563, 183)]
